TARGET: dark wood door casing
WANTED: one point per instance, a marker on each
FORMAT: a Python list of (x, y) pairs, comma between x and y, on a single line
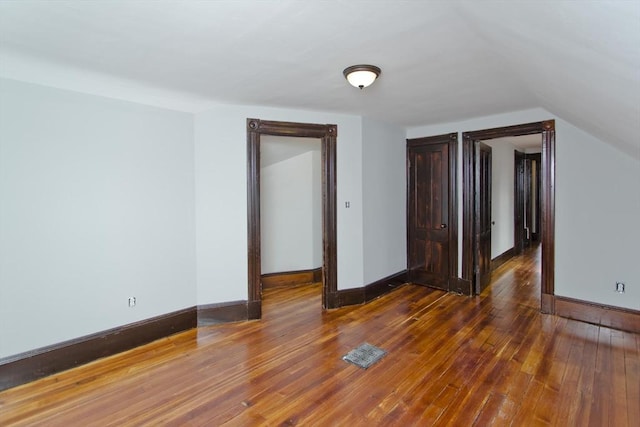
[(527, 201), (482, 216), (432, 254), (534, 195), (327, 133), (518, 203), (526, 212), (547, 202)]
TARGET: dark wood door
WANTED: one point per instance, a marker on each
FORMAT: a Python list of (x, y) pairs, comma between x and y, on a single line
[(482, 226), (534, 196), (518, 205), (428, 238), (527, 201)]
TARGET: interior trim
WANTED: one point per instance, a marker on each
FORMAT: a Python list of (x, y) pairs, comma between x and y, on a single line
[(291, 278), (32, 365), (502, 258), (547, 194), (369, 292), (224, 312), (624, 319), (327, 133)]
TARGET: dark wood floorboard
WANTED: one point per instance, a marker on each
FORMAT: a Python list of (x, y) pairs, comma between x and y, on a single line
[(452, 361)]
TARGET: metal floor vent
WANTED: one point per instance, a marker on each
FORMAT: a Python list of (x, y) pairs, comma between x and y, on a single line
[(364, 355)]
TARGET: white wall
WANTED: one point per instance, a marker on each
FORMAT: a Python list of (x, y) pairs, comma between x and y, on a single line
[(104, 199), (221, 197), (502, 196), (316, 207), (384, 199), (291, 214), (597, 212), (96, 205), (597, 207)]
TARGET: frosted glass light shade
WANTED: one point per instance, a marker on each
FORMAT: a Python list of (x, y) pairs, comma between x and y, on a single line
[(361, 76)]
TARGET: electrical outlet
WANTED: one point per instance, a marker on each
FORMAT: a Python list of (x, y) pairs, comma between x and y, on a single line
[(132, 301), (620, 287)]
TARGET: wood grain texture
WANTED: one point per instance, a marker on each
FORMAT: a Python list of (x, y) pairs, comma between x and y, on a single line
[(599, 314), (291, 278), (547, 213), (518, 201), (502, 258), (491, 359), (328, 135), (38, 363), (231, 311), (432, 214), (547, 203), (364, 294), (482, 215)]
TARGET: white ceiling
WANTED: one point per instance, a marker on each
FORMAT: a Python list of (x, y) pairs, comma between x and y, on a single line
[(441, 61)]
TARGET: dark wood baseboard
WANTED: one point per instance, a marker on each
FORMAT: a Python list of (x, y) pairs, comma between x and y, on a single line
[(32, 365), (317, 275), (460, 286), (25, 367), (502, 258), (384, 286), (291, 278), (224, 312), (599, 314), (547, 304), (367, 293), (345, 297), (254, 310)]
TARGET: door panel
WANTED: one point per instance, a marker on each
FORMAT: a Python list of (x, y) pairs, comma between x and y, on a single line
[(482, 264), (527, 201), (428, 213), (535, 196)]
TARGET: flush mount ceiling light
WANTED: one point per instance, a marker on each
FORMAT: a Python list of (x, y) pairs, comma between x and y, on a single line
[(361, 76)]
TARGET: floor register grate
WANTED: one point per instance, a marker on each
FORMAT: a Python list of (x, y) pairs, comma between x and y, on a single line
[(364, 356)]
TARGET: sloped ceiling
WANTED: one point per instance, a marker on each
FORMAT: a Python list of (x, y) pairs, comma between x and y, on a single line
[(441, 61)]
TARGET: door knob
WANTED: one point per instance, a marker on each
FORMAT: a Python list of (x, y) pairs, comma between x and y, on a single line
[(443, 226)]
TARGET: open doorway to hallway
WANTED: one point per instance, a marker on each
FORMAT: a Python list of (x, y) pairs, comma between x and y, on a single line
[(470, 206), (515, 201), (290, 212), (327, 134), (515, 195)]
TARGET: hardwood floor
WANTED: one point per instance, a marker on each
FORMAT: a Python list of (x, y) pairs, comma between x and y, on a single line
[(452, 360)]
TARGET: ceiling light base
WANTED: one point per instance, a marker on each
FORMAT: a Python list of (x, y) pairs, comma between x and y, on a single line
[(362, 75)]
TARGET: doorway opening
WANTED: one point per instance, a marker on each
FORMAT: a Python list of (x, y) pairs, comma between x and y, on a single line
[(470, 258), (515, 195), (290, 211), (327, 134), (513, 223), (526, 228)]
